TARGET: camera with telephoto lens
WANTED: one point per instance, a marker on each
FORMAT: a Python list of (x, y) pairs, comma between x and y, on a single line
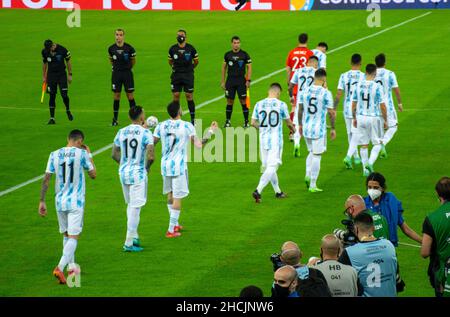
[(347, 236), (276, 261)]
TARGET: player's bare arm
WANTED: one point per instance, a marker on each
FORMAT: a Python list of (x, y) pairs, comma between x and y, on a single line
[(44, 72), (224, 70), (155, 141), (150, 156), (255, 123), (249, 75), (92, 173), (399, 98), (170, 62), (337, 99), (300, 118), (332, 115), (116, 153), (290, 125), (200, 143), (384, 114), (44, 188), (425, 250), (288, 72), (291, 93), (195, 62), (69, 71), (355, 124), (133, 61)]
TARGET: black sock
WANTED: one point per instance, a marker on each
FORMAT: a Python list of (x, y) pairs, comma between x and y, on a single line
[(191, 106), (229, 112), (245, 111), (132, 103), (116, 109), (66, 102), (52, 105)]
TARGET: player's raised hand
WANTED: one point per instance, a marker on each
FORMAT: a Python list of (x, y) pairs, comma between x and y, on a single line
[(42, 209), (333, 134)]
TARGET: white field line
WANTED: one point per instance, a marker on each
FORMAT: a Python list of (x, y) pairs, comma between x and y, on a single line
[(105, 148), (410, 245)]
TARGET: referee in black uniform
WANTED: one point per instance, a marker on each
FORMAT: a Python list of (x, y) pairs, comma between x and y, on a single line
[(183, 58), (123, 57), (239, 65), (55, 57)]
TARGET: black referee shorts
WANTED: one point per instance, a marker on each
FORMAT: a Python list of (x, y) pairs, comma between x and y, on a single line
[(235, 85), (57, 79), (182, 81), (122, 77)]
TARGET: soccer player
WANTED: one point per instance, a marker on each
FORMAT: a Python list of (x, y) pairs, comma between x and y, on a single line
[(68, 164), (302, 79), (388, 81), (347, 84), (320, 51), (238, 64), (183, 58), (175, 135), (268, 115), (316, 101), (55, 57), (133, 150), (297, 58), (369, 117), (374, 260), (123, 58)]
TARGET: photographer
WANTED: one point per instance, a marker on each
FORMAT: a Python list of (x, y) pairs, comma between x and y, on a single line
[(285, 282), (311, 282), (354, 206)]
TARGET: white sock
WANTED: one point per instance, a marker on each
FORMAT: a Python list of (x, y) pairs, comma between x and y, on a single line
[(169, 207), (353, 146), (389, 134), (374, 153), (174, 216), (364, 156), (297, 137), (265, 178), (308, 165), (274, 182), (68, 253), (133, 218), (315, 169)]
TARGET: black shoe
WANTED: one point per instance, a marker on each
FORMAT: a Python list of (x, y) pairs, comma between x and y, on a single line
[(114, 123), (246, 125), (51, 121), (69, 115), (280, 195), (227, 124), (257, 196)]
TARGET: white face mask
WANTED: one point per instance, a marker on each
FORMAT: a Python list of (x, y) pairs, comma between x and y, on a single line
[(374, 193)]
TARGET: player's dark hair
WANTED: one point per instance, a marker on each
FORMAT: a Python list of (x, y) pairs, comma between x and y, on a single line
[(237, 38), (380, 60), (251, 292), (443, 188), (276, 85), (135, 112), (183, 31), (371, 68), (364, 220), (120, 30), (314, 57), (76, 135), (173, 109), (376, 177), (303, 38), (323, 44), (356, 59), (48, 44), (320, 73)]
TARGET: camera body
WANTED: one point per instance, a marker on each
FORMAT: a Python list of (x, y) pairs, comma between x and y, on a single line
[(276, 261), (347, 236)]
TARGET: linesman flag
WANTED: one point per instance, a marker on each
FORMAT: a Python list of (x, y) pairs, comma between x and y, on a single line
[(44, 88)]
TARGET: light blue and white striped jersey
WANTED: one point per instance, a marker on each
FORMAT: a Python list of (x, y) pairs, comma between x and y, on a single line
[(316, 101), (270, 113), (376, 264), (68, 164), (175, 136), (347, 83), (322, 58), (368, 95), (303, 78), (133, 141), (387, 80)]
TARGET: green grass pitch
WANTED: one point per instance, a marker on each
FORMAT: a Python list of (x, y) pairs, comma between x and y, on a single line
[(228, 239)]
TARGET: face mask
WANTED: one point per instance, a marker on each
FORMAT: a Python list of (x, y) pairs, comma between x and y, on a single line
[(280, 291), (374, 193), (181, 39)]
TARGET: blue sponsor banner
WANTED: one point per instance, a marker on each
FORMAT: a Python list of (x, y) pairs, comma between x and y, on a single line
[(306, 5)]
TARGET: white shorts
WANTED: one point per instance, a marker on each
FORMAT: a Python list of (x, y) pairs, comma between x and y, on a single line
[(135, 195), (270, 158), (316, 146), (370, 129), (349, 125), (177, 185), (71, 221), (392, 119)]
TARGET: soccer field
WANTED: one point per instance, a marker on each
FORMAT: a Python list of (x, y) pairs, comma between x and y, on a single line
[(227, 239)]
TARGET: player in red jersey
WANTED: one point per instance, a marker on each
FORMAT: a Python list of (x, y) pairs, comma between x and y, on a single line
[(297, 58)]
